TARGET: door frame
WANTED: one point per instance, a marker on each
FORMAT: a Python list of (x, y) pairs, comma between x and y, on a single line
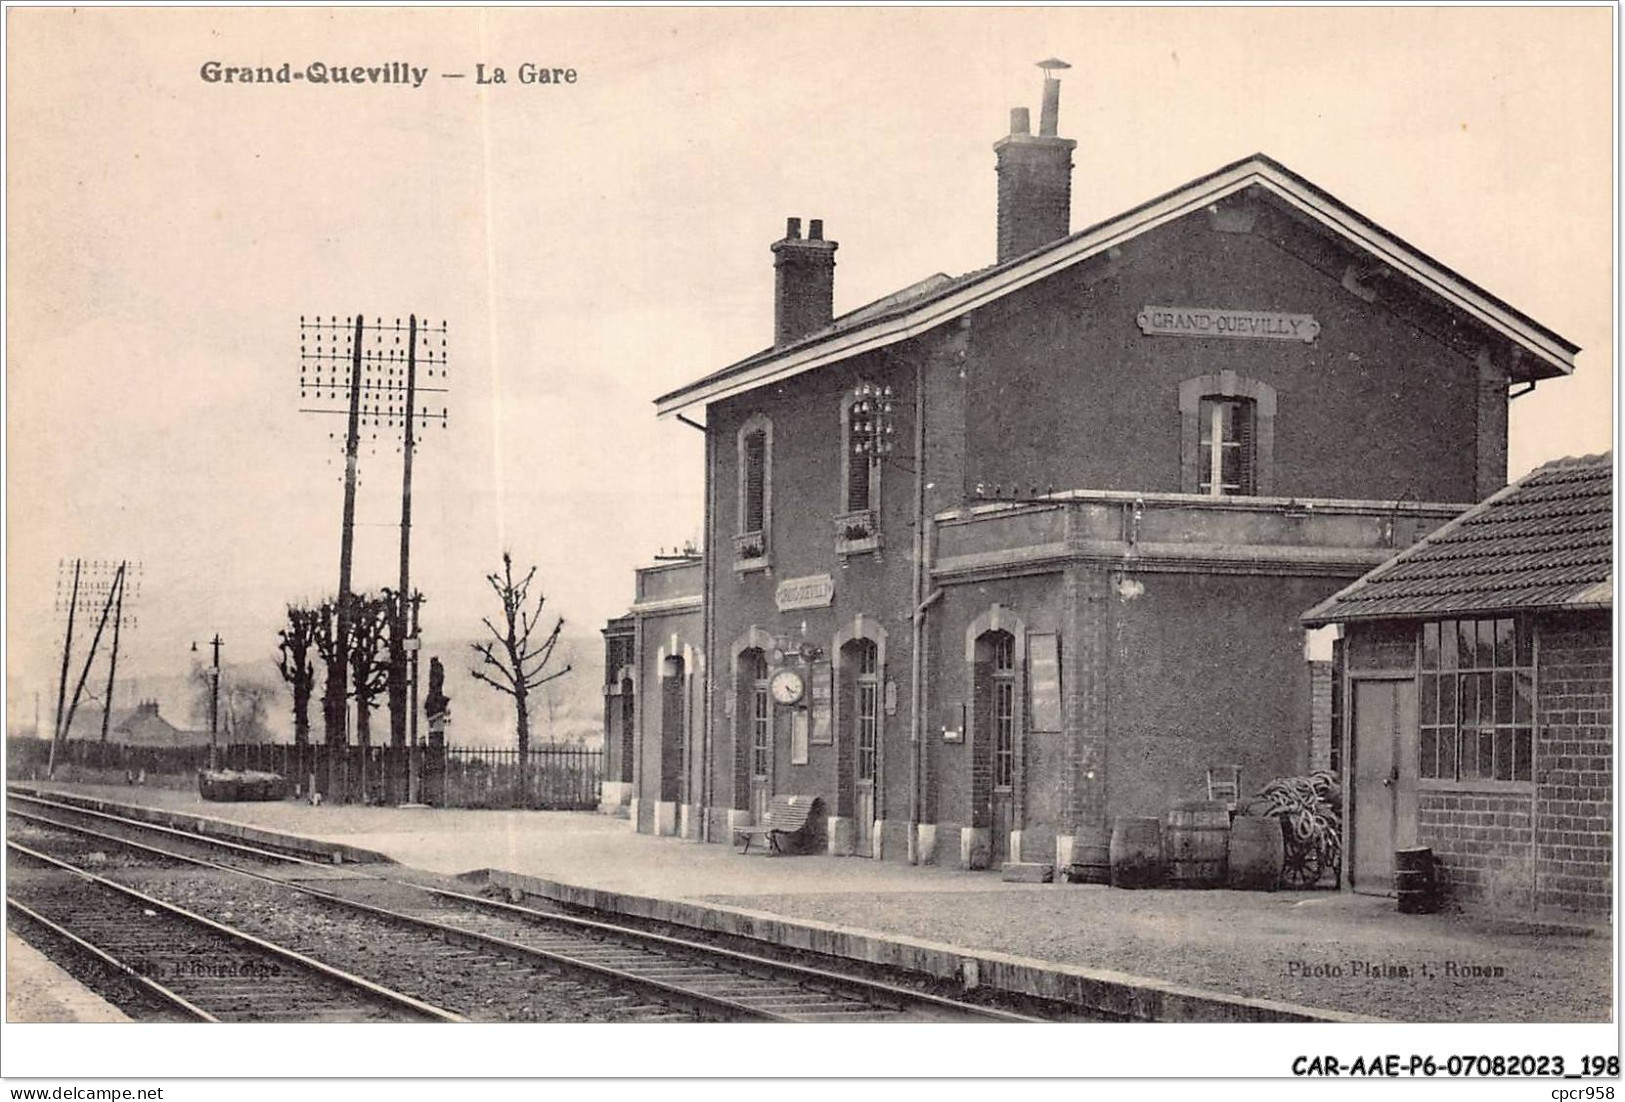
[(1350, 709)]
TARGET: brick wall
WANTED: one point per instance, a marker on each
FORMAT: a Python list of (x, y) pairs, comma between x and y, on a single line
[(1320, 715), (1574, 763), (1483, 839)]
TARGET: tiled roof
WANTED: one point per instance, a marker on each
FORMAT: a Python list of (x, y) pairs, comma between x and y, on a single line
[(1544, 542), (931, 294)]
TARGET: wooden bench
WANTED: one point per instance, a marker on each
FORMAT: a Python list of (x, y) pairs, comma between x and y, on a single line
[(787, 816)]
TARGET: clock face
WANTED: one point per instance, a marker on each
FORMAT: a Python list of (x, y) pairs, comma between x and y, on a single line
[(787, 686)]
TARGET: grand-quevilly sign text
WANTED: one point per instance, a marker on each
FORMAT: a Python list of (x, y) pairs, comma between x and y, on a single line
[(1206, 321), (814, 591)]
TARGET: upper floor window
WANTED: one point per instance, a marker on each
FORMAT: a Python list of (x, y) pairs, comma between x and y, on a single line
[(866, 434), (1227, 459), (1227, 436), (755, 445), (1477, 705)]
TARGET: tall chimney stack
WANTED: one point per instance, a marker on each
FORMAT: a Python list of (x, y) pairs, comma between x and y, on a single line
[(1035, 175), (804, 282)]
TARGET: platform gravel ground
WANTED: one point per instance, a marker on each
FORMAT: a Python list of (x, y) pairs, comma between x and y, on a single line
[(1226, 941)]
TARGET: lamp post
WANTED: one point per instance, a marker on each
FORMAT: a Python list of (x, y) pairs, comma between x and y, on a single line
[(214, 701)]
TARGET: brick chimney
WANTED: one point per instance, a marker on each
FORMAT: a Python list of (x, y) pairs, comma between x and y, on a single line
[(1035, 175), (804, 282)]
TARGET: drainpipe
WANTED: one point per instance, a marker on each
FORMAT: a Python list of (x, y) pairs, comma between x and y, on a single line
[(707, 620), (916, 671)]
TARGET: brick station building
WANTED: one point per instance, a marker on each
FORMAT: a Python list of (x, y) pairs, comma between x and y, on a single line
[(1001, 556), (1480, 687)]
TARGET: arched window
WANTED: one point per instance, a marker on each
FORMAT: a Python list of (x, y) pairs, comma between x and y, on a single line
[(761, 715), (866, 711), (1227, 457), (755, 446), (1227, 438), (857, 529), (1004, 708)]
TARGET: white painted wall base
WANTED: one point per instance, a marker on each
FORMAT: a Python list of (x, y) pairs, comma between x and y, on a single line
[(688, 822), (665, 818), (613, 797), (1015, 846), (877, 840), (1063, 854), (843, 834), (925, 843), (975, 847), (632, 807), (737, 819)]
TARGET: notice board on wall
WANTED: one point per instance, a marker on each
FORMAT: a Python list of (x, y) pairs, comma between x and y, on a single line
[(1044, 675), (821, 702)]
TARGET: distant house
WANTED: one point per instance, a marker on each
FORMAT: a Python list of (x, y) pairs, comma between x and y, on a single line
[(1478, 675), (138, 726)]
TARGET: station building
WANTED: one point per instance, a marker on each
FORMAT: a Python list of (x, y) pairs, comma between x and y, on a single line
[(1004, 555)]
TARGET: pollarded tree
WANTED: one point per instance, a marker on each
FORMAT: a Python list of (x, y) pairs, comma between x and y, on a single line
[(514, 663), (296, 642), (370, 626)]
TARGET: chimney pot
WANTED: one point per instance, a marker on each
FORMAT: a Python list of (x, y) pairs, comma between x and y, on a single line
[(1020, 121), (792, 229), (1050, 114), (815, 230)]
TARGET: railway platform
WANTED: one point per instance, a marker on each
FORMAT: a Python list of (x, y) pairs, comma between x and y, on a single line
[(38, 991), (1159, 955)]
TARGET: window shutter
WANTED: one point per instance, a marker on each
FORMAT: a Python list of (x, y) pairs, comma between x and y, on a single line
[(755, 474), (1246, 436)]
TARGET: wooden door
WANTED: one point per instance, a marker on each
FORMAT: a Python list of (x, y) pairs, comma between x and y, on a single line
[(760, 734), (1383, 781)]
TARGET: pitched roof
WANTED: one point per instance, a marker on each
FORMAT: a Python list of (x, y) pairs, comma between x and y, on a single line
[(940, 298), (1544, 542)]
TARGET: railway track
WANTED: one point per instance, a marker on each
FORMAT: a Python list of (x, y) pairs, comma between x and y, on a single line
[(202, 969), (655, 976)]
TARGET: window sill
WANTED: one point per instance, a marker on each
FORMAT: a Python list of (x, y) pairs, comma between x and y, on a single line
[(1488, 788), (761, 565), (846, 547)]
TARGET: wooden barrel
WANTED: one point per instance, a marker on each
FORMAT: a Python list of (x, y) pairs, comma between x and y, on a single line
[(1136, 852), (1091, 859), (1196, 842), (1257, 853), (1416, 879)]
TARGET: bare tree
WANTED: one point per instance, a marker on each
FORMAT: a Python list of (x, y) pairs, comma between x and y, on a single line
[(296, 642), (369, 657), (519, 667), (242, 705)]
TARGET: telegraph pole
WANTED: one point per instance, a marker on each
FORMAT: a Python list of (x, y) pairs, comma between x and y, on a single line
[(379, 386), (60, 732), (67, 721), (112, 662), (397, 641)]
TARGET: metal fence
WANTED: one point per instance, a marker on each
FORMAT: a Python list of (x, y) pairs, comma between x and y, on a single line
[(562, 777), (552, 777)]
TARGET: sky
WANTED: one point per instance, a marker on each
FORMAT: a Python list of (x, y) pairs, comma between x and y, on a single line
[(594, 244)]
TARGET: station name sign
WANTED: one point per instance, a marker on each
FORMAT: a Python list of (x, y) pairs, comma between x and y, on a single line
[(1205, 321), (813, 591)]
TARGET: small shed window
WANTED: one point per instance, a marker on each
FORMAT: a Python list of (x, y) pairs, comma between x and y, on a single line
[(1477, 700)]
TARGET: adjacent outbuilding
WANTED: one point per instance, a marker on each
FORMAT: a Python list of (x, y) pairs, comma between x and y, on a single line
[(1478, 678)]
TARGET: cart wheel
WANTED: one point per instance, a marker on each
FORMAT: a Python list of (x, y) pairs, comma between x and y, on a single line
[(1302, 867)]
